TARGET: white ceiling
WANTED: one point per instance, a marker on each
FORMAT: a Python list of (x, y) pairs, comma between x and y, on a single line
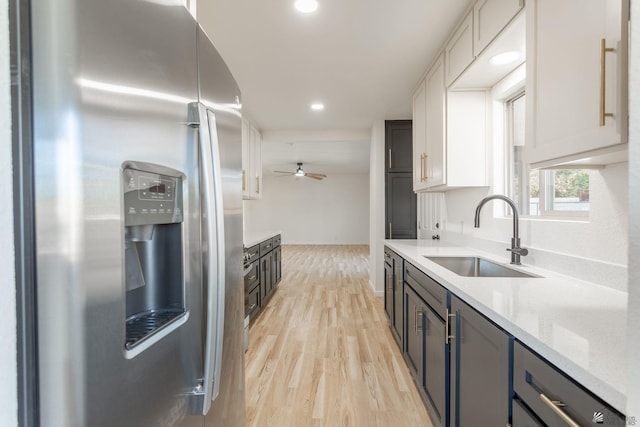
[(361, 58)]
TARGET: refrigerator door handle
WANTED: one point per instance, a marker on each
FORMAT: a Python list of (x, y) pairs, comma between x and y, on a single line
[(214, 225)]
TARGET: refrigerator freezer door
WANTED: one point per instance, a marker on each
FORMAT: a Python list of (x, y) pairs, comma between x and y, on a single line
[(220, 95), (214, 249), (112, 83)]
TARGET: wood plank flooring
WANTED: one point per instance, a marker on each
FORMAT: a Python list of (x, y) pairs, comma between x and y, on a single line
[(321, 352)]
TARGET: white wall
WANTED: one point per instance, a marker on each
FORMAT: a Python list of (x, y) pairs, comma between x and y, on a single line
[(332, 211), (8, 373), (594, 250), (377, 208), (633, 328)]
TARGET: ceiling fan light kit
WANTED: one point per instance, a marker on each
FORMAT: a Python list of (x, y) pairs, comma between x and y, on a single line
[(301, 173)]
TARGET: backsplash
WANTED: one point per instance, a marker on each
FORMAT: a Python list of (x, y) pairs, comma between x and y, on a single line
[(593, 250)]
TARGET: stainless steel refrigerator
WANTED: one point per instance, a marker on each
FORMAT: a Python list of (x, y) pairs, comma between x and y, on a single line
[(138, 218)]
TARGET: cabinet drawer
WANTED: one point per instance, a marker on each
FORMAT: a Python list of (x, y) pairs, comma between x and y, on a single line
[(253, 253), (428, 289), (276, 241), (251, 275), (522, 417), (388, 256), (252, 301), (266, 246), (540, 384)]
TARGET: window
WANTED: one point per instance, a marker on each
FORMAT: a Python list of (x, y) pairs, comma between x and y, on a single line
[(558, 192)]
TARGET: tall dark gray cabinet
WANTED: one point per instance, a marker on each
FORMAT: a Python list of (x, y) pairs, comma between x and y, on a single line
[(400, 200)]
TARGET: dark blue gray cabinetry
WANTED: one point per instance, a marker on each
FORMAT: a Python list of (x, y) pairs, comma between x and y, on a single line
[(470, 372), (393, 296), (426, 350), (263, 272), (546, 396), (480, 389)]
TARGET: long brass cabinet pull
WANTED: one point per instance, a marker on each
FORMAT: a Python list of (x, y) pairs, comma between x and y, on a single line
[(448, 336), (244, 180), (421, 167), (556, 406), (390, 232), (257, 185), (603, 70), (416, 314), (389, 158)]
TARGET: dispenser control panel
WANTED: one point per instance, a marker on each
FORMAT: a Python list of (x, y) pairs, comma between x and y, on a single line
[(151, 198)]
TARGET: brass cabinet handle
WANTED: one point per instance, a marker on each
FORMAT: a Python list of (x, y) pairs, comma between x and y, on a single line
[(390, 232), (603, 68), (419, 315), (389, 158), (447, 335), (257, 185), (252, 307), (423, 167), (244, 180), (556, 406)]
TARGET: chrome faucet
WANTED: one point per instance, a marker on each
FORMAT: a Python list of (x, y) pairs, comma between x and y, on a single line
[(516, 250)]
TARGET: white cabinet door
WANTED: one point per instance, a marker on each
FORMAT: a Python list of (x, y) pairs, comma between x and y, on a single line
[(435, 131), (576, 91), (246, 158), (256, 163), (490, 17), (459, 50), (419, 135), (251, 161)]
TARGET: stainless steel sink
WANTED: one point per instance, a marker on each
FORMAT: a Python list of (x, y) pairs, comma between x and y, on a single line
[(471, 266)]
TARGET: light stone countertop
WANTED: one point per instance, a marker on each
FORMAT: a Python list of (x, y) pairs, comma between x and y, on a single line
[(253, 239), (580, 327)]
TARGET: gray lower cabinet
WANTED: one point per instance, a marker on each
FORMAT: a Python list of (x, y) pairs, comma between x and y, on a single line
[(522, 417), (393, 296), (398, 298), (436, 361), (276, 267), (553, 398), (426, 349), (266, 283), (388, 285), (480, 389), (263, 274), (414, 335)]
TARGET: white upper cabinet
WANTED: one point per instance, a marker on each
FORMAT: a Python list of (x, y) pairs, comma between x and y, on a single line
[(489, 18), (449, 140), (251, 161), (419, 137), (577, 54), (459, 50), (435, 160)]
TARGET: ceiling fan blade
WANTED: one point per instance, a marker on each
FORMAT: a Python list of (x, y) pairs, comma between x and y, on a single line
[(317, 176), (288, 173)]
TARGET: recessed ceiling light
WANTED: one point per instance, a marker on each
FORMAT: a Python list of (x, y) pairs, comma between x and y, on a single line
[(317, 106), (306, 6), (505, 57)]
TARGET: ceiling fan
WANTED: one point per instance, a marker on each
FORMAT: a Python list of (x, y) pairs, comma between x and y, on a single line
[(300, 173)]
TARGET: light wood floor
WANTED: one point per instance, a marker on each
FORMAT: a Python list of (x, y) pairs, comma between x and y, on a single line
[(321, 352)]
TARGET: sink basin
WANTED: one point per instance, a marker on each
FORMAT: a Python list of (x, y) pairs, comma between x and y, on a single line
[(471, 266)]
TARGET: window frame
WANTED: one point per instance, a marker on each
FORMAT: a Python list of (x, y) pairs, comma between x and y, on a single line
[(545, 177)]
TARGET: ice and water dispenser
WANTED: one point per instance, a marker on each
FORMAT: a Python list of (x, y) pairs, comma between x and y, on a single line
[(153, 244)]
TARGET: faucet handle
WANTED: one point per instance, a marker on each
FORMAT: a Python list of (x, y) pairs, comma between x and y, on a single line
[(519, 251)]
